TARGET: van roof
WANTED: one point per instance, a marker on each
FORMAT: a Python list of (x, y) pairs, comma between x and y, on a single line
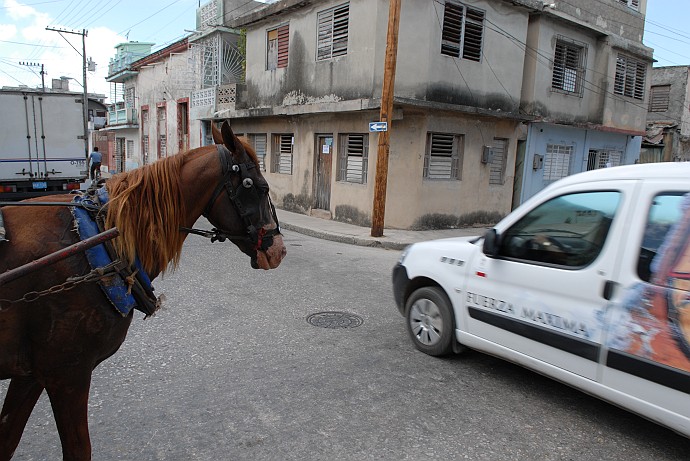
[(638, 171)]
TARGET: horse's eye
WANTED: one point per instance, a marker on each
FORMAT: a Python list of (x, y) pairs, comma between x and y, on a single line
[(247, 182)]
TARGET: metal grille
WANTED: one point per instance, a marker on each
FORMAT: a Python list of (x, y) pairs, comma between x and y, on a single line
[(630, 77), (557, 161), (332, 26), (259, 143), (443, 156), (208, 14), (634, 4), (659, 98), (353, 158), (282, 153), (129, 97), (497, 169), (463, 29), (603, 159), (568, 67)]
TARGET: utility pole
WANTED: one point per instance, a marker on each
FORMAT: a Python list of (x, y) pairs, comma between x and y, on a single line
[(381, 181), (35, 64), (85, 99)]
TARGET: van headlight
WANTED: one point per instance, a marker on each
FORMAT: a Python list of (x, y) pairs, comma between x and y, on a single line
[(404, 253)]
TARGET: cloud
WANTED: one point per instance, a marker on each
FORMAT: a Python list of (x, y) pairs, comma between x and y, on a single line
[(7, 31), (17, 11)]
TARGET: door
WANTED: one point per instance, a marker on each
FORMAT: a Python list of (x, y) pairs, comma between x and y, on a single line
[(323, 158), (545, 292), (120, 155)]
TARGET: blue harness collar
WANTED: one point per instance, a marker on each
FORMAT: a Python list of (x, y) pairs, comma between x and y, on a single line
[(129, 288)]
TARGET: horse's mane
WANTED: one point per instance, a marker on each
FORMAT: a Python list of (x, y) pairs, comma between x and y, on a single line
[(147, 207)]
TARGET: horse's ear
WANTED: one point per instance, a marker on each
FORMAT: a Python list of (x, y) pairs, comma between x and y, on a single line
[(217, 136), (229, 138)]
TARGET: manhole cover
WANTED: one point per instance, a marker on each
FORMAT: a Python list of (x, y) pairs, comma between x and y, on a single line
[(335, 320)]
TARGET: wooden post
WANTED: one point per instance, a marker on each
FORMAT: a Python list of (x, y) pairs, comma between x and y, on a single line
[(381, 181)]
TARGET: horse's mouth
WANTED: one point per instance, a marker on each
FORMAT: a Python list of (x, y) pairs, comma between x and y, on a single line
[(272, 257)]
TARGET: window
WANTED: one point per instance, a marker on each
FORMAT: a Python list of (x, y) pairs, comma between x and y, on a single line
[(557, 161), (162, 132), (634, 4), (145, 149), (353, 158), (282, 153), (130, 149), (463, 29), (659, 98), (443, 158), (665, 214), (568, 67), (497, 168), (278, 44), (630, 75), (332, 29), (603, 159), (259, 143), (569, 230)]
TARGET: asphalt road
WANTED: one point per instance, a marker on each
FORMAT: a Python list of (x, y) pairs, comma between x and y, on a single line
[(230, 369)]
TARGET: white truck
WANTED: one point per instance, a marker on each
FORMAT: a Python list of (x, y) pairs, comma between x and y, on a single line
[(42, 150)]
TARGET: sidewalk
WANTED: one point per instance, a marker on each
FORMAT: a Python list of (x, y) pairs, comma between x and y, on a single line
[(393, 239)]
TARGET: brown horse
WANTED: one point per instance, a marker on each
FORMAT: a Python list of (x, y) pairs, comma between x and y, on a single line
[(55, 341)]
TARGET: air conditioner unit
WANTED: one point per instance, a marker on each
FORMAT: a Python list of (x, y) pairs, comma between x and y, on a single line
[(487, 154)]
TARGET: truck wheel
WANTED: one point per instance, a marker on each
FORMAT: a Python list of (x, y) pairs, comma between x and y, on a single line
[(430, 321)]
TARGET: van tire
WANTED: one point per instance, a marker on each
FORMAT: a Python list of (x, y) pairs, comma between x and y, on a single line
[(430, 321)]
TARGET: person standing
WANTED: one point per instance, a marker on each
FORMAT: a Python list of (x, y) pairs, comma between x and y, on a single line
[(95, 158)]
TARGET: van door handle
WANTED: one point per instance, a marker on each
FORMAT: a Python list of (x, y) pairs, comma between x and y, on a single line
[(609, 288)]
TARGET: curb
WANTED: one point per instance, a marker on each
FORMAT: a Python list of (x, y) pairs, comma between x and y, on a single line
[(360, 241)]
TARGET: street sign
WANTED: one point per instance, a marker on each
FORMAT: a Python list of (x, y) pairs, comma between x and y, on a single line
[(378, 126)]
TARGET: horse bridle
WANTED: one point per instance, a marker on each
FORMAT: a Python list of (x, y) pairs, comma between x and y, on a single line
[(246, 200)]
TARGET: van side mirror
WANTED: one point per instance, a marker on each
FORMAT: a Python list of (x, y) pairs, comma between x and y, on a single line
[(492, 242)]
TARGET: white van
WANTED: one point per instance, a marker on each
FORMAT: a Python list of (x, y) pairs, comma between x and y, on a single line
[(588, 282)]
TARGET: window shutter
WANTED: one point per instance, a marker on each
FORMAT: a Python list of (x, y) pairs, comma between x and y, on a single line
[(332, 32), (452, 30), (441, 161), (474, 31), (283, 45), (356, 170), (659, 98)]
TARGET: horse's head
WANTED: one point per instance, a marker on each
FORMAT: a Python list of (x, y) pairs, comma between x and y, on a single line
[(241, 207)]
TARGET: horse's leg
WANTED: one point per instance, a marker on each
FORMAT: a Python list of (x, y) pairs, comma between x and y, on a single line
[(22, 395), (69, 396)]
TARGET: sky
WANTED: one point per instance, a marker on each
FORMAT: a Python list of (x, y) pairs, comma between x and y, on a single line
[(25, 44)]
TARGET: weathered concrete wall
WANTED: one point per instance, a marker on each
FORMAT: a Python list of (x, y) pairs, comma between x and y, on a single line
[(678, 109)]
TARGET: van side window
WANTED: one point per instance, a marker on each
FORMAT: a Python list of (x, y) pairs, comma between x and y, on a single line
[(665, 213), (569, 230)]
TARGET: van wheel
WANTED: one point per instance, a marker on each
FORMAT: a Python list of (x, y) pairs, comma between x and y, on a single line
[(430, 321)]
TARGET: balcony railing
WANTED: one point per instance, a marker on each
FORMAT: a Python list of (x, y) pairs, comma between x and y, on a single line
[(127, 116), (208, 102), (123, 61)]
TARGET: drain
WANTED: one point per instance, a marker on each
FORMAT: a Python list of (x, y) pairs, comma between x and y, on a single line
[(335, 320)]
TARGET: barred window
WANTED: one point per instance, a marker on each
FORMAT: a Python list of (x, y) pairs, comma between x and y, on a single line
[(634, 4), (603, 159), (463, 31), (659, 98), (557, 161), (353, 158), (282, 153), (443, 157), (497, 168), (278, 41), (568, 67), (259, 143), (332, 31), (630, 76)]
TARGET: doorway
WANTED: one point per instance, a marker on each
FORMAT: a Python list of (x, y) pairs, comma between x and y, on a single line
[(324, 160)]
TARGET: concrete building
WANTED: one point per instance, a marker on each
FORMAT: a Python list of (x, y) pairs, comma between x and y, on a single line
[(668, 118), (494, 99)]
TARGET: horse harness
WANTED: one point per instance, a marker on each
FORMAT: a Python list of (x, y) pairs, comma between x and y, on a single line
[(246, 199)]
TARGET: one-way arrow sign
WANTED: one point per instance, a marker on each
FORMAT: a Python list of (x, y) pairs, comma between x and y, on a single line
[(378, 126)]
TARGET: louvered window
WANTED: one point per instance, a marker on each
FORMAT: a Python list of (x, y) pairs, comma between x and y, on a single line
[(259, 143), (497, 168), (332, 30), (568, 67), (659, 98), (630, 76), (634, 4), (603, 159), (278, 42), (463, 31), (557, 161), (443, 158), (353, 158), (282, 153)]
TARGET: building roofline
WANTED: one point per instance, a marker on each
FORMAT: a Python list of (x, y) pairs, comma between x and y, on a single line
[(177, 47)]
